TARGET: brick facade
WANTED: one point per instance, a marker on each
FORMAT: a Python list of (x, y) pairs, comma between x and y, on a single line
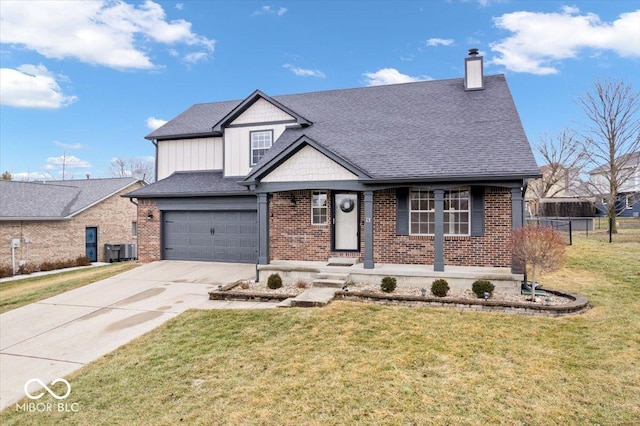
[(61, 240), (149, 238), (292, 237)]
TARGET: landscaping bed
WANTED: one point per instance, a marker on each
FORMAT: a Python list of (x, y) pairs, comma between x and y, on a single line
[(554, 303)]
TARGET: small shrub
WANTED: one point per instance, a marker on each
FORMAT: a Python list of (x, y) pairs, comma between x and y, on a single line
[(481, 286), (5, 271), (47, 266), (388, 284), (27, 268), (83, 261), (274, 281), (440, 288), (301, 284)]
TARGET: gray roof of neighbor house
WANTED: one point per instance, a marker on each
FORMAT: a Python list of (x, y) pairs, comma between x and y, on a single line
[(192, 184), (630, 160), (430, 129), (55, 200)]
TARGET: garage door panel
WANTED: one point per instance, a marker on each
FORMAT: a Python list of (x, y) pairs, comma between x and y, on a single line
[(189, 236)]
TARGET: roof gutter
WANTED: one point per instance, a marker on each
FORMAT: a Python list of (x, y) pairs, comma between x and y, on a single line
[(190, 195), (154, 139), (33, 219), (485, 178)]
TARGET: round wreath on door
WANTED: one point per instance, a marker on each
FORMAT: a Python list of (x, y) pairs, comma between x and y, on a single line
[(347, 205)]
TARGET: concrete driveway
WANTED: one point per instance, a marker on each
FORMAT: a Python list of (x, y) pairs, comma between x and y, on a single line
[(52, 338)]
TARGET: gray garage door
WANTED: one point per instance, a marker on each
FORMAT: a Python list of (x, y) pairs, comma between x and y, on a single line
[(218, 236)]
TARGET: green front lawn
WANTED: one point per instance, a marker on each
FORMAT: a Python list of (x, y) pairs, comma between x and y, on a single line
[(353, 363), (17, 293)]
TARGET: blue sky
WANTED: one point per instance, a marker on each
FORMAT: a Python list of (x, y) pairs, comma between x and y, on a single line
[(88, 80)]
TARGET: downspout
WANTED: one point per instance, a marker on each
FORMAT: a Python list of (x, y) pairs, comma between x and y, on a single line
[(155, 143)]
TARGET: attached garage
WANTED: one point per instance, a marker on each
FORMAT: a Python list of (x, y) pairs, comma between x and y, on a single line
[(217, 236)]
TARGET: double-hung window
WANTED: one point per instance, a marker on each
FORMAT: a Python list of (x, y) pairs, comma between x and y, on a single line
[(456, 212), (319, 210), (260, 143)]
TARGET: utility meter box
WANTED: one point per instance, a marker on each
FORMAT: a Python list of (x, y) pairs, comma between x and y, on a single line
[(15, 243)]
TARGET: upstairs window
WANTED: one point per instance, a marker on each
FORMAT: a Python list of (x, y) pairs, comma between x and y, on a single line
[(260, 143)]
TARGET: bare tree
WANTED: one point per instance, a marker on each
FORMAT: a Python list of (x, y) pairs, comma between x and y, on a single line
[(611, 137), (564, 158), (140, 167), (540, 249)]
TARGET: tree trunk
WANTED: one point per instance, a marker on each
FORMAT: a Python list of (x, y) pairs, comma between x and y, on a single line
[(533, 283)]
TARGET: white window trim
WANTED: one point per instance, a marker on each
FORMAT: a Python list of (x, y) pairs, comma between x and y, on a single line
[(326, 208), (251, 148), (468, 211)]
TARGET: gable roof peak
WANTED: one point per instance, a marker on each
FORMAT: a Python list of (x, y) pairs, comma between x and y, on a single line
[(252, 99)]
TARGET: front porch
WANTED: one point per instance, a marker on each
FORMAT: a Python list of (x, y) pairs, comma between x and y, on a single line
[(458, 277)]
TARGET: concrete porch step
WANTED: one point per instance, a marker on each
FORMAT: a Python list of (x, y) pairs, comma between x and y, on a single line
[(286, 303), (343, 261), (328, 282), (314, 297), (333, 276)]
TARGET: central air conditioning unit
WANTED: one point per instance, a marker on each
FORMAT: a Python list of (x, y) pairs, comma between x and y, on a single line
[(127, 251)]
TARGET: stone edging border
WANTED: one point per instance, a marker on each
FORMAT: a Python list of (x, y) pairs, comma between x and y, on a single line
[(578, 303)]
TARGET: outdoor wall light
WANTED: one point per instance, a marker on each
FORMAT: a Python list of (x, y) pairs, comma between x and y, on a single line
[(149, 215), (292, 200)]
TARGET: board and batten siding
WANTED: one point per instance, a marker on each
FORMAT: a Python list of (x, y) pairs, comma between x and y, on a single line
[(237, 148), (189, 154), (261, 111), (307, 165)]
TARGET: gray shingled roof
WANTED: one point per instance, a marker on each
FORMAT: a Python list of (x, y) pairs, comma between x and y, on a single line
[(199, 119), (431, 129), (191, 184), (55, 199)]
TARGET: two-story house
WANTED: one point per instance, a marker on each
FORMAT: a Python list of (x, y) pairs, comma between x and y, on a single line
[(628, 197), (428, 173)]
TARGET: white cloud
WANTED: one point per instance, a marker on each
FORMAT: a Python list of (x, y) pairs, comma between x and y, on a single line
[(301, 72), (540, 40), (195, 57), (69, 162), (153, 123), (179, 6), (439, 42), (390, 76), (68, 145), (111, 33), (269, 10), (31, 86)]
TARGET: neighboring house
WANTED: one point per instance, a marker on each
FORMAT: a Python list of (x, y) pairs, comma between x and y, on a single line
[(559, 189), (62, 220), (427, 173), (628, 197)]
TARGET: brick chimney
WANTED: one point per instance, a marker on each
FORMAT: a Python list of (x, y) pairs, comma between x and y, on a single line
[(473, 71)]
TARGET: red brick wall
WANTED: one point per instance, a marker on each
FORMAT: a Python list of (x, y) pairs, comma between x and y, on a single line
[(292, 235), (490, 250), (148, 231), (294, 238)]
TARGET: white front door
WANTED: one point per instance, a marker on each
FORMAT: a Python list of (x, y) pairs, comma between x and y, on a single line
[(345, 219)]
